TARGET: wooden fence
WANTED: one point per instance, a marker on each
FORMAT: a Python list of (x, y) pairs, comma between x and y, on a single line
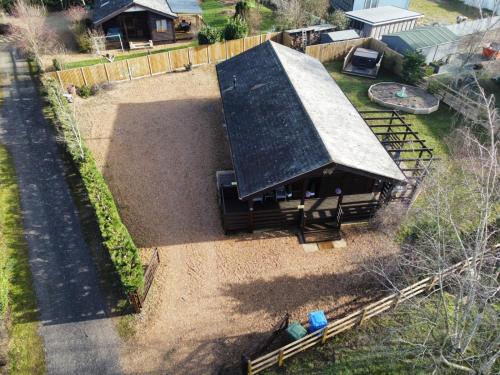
[(392, 61), (278, 357), (137, 298), (158, 63)]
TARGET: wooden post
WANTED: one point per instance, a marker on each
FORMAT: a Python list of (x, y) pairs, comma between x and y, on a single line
[(244, 39), (281, 358), (323, 336), (250, 215), (149, 65), (128, 68), (107, 73), (190, 60), (225, 47), (208, 54), (302, 201), (170, 62), (84, 78), (432, 283), (58, 74), (362, 318)]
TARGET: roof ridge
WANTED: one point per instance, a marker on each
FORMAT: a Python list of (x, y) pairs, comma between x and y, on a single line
[(298, 96)]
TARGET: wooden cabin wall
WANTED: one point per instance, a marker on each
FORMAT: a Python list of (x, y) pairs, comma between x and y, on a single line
[(156, 36)]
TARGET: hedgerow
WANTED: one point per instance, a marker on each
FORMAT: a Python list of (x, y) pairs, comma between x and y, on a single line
[(117, 239)]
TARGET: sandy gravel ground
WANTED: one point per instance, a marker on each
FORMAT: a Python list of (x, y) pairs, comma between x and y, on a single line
[(159, 142)]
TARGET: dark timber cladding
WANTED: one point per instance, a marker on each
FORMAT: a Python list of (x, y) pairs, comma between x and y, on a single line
[(286, 117), (303, 156)]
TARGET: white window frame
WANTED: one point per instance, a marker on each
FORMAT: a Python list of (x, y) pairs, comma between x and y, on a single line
[(161, 25)]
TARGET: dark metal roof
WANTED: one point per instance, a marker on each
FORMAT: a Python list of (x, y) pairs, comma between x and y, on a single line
[(286, 116), (107, 9)]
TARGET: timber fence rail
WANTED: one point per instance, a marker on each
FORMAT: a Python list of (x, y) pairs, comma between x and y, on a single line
[(278, 357), (137, 298), (158, 63)]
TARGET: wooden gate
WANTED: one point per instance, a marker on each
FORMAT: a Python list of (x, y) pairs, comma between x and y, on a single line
[(137, 298)]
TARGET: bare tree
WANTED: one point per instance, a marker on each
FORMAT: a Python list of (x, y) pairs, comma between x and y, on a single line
[(456, 326), (299, 13), (30, 32)]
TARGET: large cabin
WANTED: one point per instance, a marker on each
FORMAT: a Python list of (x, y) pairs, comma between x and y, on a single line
[(303, 156)]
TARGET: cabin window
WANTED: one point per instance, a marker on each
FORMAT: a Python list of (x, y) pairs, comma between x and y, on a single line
[(161, 26)]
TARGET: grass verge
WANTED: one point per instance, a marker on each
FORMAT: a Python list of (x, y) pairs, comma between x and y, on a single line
[(432, 128), (216, 13), (443, 11), (18, 301), (125, 56)]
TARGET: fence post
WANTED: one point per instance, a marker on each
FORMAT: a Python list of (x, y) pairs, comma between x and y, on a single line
[(281, 358), (244, 39), (170, 61), (59, 79), (208, 54), (106, 71), (323, 336), (149, 65), (246, 365), (128, 68), (83, 76), (362, 319), (190, 60), (225, 47)]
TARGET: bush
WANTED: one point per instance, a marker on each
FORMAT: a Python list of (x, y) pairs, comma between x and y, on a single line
[(58, 64), (338, 19), (209, 35), (236, 28), (84, 91), (241, 9), (117, 240), (412, 67), (84, 42)]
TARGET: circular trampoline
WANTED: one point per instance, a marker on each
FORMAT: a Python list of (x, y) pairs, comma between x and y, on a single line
[(403, 97)]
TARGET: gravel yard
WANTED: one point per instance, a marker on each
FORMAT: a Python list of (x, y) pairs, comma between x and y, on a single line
[(159, 142)]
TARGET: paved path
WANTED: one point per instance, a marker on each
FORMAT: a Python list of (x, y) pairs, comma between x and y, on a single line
[(79, 338)]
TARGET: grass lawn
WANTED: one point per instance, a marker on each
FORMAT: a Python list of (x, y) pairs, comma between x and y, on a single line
[(443, 11), (125, 56), (26, 355), (216, 13), (432, 128)]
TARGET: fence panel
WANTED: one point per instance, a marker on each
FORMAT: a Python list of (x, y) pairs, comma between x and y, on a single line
[(199, 55), (95, 74), (139, 67), (252, 41), (179, 58), (335, 51), (118, 71), (275, 37), (392, 61), (159, 63), (217, 52), (234, 47), (354, 319), (72, 77)]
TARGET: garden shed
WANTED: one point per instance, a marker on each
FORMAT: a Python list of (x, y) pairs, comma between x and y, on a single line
[(375, 22), (348, 5), (159, 21), (434, 42), (303, 156), (338, 36)]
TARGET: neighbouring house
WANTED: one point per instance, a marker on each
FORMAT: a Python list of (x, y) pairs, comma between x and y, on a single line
[(348, 5), (303, 156), (375, 22), (338, 36), (159, 21), (434, 42)]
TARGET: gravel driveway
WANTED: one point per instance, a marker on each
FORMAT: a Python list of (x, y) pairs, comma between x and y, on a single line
[(159, 142)]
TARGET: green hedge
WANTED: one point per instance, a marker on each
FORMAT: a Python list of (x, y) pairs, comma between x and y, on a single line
[(116, 237)]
